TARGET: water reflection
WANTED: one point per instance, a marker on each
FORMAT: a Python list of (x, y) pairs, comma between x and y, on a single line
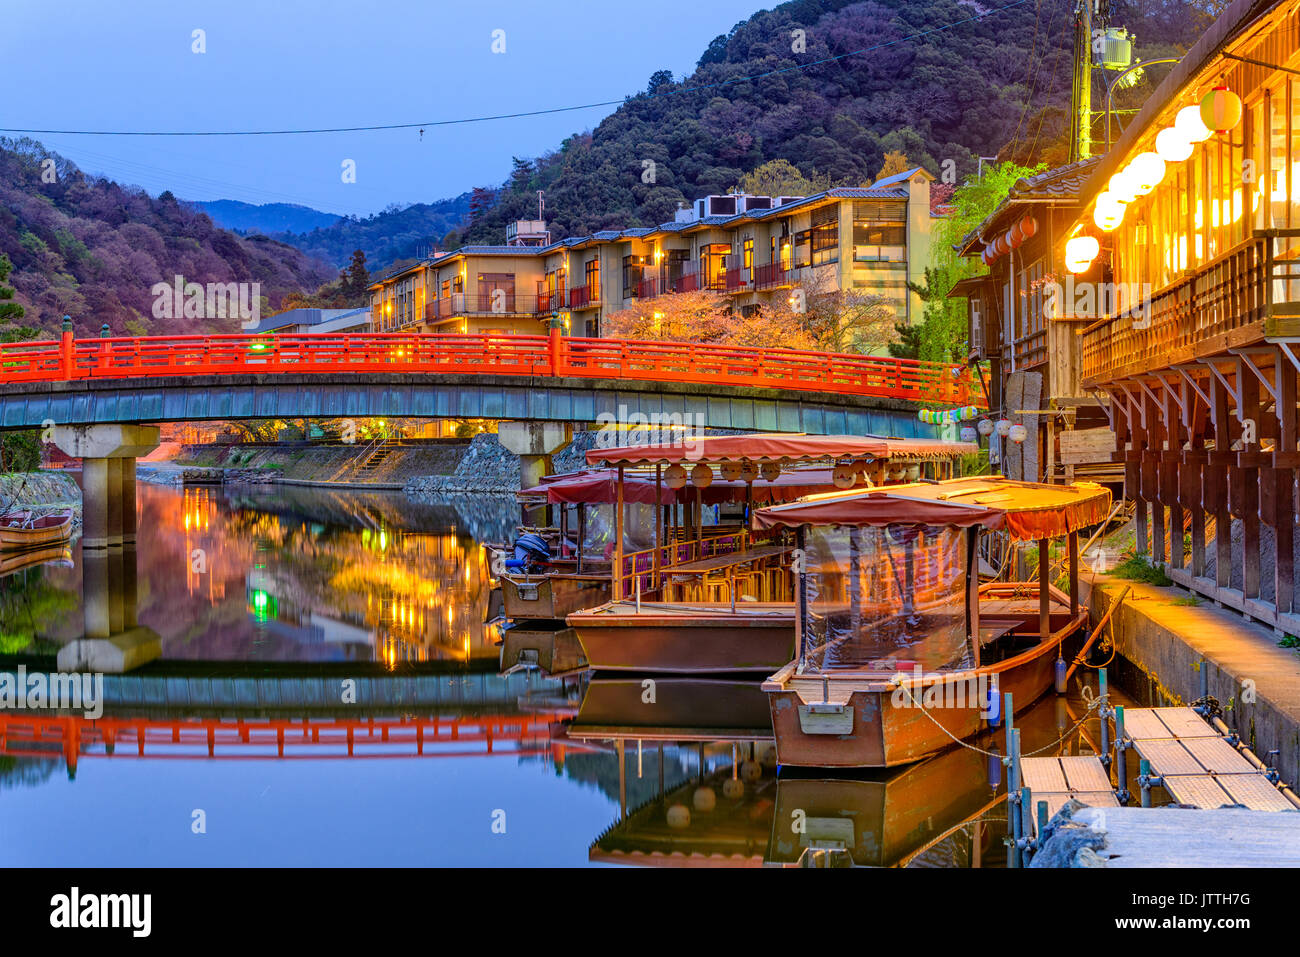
[(291, 574)]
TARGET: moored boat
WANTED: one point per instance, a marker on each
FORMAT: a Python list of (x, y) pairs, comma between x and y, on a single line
[(25, 529), (901, 651)]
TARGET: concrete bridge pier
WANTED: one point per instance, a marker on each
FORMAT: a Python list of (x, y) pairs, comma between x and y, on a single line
[(113, 641), (535, 443)]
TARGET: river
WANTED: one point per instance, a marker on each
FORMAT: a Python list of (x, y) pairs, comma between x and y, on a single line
[(327, 694)]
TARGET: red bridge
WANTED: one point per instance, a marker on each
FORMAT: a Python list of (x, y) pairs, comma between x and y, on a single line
[(553, 356)]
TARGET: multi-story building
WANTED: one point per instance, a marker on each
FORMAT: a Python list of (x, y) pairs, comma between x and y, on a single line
[(749, 248)]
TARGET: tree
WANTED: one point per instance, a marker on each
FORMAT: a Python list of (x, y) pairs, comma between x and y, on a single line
[(9, 311), (358, 278), (908, 343), (895, 162), (780, 177), (697, 316)]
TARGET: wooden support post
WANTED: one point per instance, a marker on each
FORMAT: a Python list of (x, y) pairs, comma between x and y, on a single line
[(1044, 595), (1169, 475), (618, 539), (1151, 478), (1284, 516), (973, 589), (1214, 483), (1072, 544), (659, 528), (1248, 389)]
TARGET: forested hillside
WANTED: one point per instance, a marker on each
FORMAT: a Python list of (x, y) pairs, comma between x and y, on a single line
[(395, 234), (93, 249), (994, 82), (263, 217)]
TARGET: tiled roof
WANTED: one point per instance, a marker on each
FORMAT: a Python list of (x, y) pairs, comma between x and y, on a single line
[(1061, 185)]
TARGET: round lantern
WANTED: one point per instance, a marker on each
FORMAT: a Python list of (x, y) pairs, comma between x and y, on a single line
[(1082, 249), (985, 427), (1121, 187), (912, 472), (1016, 233), (733, 788), (1191, 126), (1013, 238), (730, 470), (968, 434), (843, 476), (679, 816), (749, 470), (921, 414), (701, 476), (1004, 426), (1028, 227), (1221, 109), (675, 476), (704, 799), (1018, 433), (770, 471), (987, 256), (1172, 147), (1147, 170), (1109, 212)]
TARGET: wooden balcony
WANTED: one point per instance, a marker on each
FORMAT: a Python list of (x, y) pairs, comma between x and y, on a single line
[(1245, 296), (584, 297), (771, 276)]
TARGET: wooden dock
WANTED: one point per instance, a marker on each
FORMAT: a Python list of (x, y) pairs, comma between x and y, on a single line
[(1198, 766), (1057, 780)]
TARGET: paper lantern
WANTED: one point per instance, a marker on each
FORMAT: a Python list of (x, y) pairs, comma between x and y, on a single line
[(1108, 213), (675, 476), (1004, 426), (1147, 170), (1013, 239), (749, 470), (1221, 109), (968, 434), (985, 427), (1172, 147), (1016, 233), (701, 476), (987, 256), (1191, 126), (912, 472), (771, 471), (1018, 433), (843, 476), (1121, 187), (730, 470), (1028, 227)]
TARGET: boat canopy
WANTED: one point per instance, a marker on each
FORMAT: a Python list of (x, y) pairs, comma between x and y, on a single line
[(600, 487), (779, 447), (1028, 510)]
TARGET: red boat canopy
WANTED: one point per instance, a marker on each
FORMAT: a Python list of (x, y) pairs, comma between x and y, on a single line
[(600, 487), (779, 447), (1029, 510)]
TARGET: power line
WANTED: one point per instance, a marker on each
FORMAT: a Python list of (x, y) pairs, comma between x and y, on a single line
[(523, 114)]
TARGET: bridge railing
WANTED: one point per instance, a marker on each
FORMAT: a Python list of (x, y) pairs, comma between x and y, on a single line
[(553, 355)]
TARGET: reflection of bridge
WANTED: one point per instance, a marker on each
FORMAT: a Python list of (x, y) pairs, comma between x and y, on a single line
[(74, 737), (555, 378)]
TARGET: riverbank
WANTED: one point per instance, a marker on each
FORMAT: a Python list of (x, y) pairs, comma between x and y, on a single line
[(44, 489)]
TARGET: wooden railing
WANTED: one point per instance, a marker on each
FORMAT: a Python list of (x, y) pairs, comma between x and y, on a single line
[(1031, 350), (554, 355), (1235, 291), (640, 566)]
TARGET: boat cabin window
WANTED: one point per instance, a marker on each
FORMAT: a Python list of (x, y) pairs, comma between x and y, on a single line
[(886, 599)]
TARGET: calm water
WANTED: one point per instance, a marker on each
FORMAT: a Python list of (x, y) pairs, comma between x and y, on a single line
[(240, 745)]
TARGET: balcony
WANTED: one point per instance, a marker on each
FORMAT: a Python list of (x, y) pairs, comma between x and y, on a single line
[(503, 304), (1250, 293), (772, 276), (584, 297)]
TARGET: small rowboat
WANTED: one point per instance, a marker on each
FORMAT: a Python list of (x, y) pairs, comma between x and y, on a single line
[(25, 529)]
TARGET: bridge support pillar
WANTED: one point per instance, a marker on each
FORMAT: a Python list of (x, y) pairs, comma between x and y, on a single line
[(535, 443), (113, 640)]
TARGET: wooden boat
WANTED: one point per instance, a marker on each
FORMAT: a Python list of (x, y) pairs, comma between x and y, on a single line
[(676, 638), (553, 595), (687, 627), (25, 529), (920, 653)]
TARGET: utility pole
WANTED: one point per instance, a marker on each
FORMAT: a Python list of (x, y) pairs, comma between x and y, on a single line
[(1081, 89)]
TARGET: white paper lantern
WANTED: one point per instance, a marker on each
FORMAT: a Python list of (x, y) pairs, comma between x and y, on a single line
[(1172, 146), (968, 434), (749, 470), (730, 470), (675, 476), (1147, 170), (771, 471), (912, 472), (843, 476), (1004, 426), (701, 476), (1189, 124), (985, 427), (1018, 433)]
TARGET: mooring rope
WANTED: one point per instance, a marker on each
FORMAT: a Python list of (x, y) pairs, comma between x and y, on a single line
[(1093, 705)]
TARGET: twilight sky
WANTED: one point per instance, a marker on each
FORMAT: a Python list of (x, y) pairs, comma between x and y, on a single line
[(293, 64)]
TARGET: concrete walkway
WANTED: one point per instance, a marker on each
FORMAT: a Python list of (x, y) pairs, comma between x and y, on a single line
[(1256, 682)]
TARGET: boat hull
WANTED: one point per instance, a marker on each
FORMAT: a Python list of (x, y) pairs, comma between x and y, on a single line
[(53, 529), (552, 597), (674, 708), (550, 646), (670, 640)]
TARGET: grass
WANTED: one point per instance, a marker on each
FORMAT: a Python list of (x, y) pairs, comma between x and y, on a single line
[(1138, 568), (1289, 641), (1190, 601)]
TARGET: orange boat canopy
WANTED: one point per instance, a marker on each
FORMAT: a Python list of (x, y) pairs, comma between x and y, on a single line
[(1028, 510), (600, 487), (778, 447)]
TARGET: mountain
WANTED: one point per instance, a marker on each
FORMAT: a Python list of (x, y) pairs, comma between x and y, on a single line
[(944, 82), (93, 249), (265, 218), (394, 234)]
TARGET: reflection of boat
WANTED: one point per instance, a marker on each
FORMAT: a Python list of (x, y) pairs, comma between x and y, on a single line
[(720, 820), (547, 644), (25, 529), (900, 649), (58, 553), (552, 595), (881, 820), (672, 708)]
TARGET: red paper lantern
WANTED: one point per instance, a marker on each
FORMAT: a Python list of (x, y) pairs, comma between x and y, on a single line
[(1013, 239), (1028, 226)]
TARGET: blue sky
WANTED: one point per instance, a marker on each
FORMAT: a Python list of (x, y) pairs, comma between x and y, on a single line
[(275, 64)]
